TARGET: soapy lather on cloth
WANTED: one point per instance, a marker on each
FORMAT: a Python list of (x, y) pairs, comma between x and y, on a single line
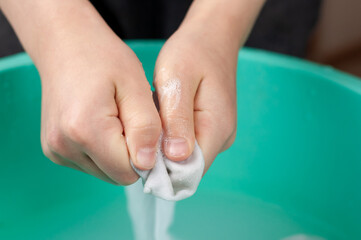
[(172, 180)]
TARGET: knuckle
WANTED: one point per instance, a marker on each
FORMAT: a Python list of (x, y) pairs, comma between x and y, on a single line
[(75, 128), (53, 142), (178, 120), (145, 125), (177, 124)]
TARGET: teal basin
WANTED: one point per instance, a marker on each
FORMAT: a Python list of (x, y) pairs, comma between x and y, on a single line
[(293, 173)]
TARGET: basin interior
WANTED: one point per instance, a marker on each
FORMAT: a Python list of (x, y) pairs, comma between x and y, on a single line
[(294, 170)]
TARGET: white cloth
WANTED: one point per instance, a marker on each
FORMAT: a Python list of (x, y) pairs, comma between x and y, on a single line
[(151, 216), (171, 180)]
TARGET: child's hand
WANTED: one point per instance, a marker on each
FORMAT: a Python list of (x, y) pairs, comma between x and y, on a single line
[(88, 102), (195, 78), (96, 102)]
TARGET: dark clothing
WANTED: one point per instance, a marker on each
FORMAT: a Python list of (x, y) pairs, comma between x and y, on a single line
[(283, 25), (141, 18), (9, 43)]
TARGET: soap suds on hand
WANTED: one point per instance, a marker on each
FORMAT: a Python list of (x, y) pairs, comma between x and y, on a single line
[(151, 214), (171, 91)]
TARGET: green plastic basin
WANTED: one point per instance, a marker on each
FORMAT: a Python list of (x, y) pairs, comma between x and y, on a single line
[(294, 171)]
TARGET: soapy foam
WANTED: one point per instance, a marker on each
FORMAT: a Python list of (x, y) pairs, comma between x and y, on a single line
[(171, 91), (170, 95)]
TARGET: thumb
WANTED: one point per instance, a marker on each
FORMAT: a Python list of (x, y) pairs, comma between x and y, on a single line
[(141, 121), (176, 102)]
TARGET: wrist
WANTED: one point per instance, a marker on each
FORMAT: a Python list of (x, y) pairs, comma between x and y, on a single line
[(55, 31), (70, 32), (227, 22)]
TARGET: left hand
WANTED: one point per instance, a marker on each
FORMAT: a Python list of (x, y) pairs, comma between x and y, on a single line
[(195, 77), (195, 80)]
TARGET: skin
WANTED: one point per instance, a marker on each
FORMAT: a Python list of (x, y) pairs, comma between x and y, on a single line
[(97, 106)]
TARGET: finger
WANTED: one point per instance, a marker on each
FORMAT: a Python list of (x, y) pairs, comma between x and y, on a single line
[(83, 164), (99, 136), (141, 121), (176, 101), (57, 159), (215, 122), (109, 151), (62, 151), (207, 137)]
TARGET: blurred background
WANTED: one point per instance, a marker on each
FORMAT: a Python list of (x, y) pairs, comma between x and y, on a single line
[(336, 39), (323, 31)]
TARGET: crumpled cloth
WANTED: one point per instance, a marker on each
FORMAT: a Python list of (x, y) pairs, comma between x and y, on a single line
[(173, 181)]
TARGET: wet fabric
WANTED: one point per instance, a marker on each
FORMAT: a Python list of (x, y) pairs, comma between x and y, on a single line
[(173, 181)]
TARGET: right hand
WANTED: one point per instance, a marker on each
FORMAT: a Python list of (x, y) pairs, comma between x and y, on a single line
[(97, 105)]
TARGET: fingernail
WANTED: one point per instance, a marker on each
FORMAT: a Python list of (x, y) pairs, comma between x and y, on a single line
[(176, 147), (146, 157)]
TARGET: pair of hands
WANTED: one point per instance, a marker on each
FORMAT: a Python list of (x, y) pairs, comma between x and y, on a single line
[(97, 104)]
